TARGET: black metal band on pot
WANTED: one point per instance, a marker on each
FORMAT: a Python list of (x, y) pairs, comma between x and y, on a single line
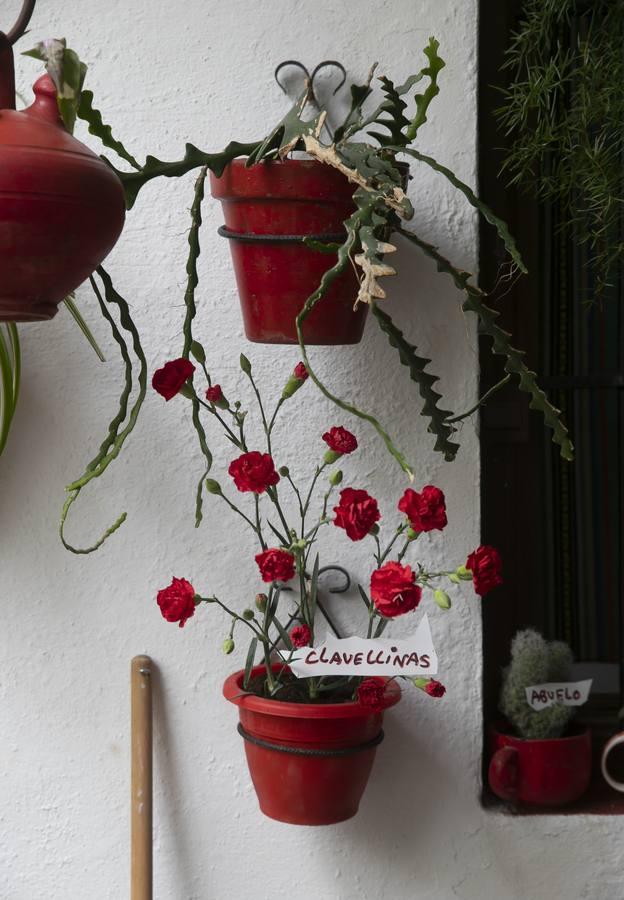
[(246, 236), (301, 751)]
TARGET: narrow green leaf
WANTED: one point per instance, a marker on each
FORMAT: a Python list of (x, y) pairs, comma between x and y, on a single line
[(249, 662), (314, 589), (283, 633), (71, 306)]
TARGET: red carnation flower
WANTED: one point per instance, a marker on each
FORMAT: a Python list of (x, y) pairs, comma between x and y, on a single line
[(276, 565), (172, 377), (371, 693), (254, 472), (394, 590), (301, 372), (214, 393), (177, 602), (357, 512), (300, 636), (486, 566), (426, 511), (340, 440), (435, 688)]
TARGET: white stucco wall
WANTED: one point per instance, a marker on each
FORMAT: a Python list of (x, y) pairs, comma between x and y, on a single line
[(201, 71)]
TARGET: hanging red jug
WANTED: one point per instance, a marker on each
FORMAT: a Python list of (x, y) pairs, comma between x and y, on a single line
[(62, 209)]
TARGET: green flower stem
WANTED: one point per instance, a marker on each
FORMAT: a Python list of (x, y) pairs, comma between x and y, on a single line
[(306, 505), (251, 625), (274, 416), (404, 549), (243, 516), (400, 530), (214, 412), (299, 501), (263, 543), (265, 424), (273, 496)]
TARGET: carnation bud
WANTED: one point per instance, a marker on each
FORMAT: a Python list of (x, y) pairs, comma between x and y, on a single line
[(284, 471), (261, 602), (374, 530), (187, 390), (420, 683), (442, 599), (212, 486), (245, 364), (463, 573), (292, 385), (335, 477), (198, 352), (227, 646), (411, 534), (331, 456), (248, 614), (454, 578)]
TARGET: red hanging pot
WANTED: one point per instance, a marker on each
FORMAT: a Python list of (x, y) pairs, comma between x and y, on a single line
[(61, 208), (269, 209), (309, 763), (551, 772)]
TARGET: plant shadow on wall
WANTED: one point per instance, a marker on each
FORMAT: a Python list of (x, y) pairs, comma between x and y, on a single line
[(363, 152)]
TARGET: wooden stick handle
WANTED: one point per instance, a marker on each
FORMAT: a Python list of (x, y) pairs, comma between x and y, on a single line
[(141, 778)]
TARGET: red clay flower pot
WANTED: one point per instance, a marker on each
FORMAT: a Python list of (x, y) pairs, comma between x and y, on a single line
[(309, 763), (268, 209), (61, 209), (552, 772)]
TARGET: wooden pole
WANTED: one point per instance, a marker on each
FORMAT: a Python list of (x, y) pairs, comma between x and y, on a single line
[(141, 778)]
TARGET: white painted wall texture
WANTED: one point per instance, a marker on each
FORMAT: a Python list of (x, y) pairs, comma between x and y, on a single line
[(202, 71)]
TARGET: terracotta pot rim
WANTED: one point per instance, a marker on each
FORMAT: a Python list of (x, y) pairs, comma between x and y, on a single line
[(501, 729), (350, 709)]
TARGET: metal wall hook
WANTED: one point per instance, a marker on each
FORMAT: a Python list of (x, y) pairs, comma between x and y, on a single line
[(310, 78), (18, 30)]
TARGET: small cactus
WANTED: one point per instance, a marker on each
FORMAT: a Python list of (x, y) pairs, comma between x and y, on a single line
[(535, 661)]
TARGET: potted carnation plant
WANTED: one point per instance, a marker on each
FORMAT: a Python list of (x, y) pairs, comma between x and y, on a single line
[(311, 734)]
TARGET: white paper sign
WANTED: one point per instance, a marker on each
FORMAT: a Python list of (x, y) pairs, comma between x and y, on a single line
[(357, 656), (565, 693)]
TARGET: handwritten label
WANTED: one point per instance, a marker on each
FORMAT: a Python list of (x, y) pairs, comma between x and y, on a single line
[(357, 656), (565, 693)]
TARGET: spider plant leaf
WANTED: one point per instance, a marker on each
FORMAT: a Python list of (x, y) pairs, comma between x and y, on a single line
[(70, 305), (249, 662)]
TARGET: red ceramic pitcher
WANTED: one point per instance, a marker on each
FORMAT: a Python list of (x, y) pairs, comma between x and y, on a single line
[(61, 207), (309, 762), (551, 772), (269, 209)]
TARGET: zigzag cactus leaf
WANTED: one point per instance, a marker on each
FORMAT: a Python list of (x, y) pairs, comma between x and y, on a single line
[(514, 364), (10, 365), (191, 311), (193, 159), (97, 127), (438, 417), (116, 437), (355, 117), (436, 64), (288, 133)]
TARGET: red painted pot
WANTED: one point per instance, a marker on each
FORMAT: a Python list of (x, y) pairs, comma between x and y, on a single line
[(309, 763), (61, 209), (268, 209), (551, 772)]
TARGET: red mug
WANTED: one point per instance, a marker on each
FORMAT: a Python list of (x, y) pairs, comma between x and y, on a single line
[(614, 741), (550, 772)]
